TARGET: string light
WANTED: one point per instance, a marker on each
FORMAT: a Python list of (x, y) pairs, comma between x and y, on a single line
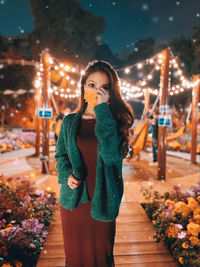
[(127, 70)]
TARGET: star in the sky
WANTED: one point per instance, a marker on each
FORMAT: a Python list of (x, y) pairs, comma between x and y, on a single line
[(155, 19), (145, 7)]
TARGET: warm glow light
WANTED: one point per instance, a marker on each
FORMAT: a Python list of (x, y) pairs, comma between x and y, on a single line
[(50, 60), (143, 83), (72, 82), (127, 70), (37, 84), (62, 73), (139, 66), (67, 68)]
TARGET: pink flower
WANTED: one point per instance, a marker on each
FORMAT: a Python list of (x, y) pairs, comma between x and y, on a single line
[(179, 226), (181, 235), (27, 197)]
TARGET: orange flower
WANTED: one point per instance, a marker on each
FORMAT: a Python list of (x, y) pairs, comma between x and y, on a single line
[(6, 229), (6, 265), (181, 207), (172, 231), (192, 203), (18, 264), (196, 218), (180, 260), (194, 240), (185, 245), (169, 202), (193, 228)]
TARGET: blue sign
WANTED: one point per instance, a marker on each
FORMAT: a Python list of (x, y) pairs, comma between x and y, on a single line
[(164, 120), (163, 108), (45, 113)]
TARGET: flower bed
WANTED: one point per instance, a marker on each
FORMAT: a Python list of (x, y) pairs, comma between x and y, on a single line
[(25, 215), (176, 219), (14, 140)]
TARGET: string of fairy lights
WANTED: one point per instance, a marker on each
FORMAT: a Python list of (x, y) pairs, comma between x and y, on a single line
[(69, 76), (71, 88)]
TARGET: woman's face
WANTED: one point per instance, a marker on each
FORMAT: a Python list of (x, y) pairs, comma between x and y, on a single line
[(94, 81)]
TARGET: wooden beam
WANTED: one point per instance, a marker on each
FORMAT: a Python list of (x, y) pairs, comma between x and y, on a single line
[(195, 100), (164, 87)]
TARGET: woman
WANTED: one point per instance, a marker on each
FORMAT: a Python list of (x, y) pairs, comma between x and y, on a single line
[(90, 149)]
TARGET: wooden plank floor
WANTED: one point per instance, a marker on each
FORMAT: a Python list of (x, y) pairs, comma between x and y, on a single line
[(134, 244)]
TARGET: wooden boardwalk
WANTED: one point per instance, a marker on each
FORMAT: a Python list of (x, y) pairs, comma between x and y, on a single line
[(134, 243)]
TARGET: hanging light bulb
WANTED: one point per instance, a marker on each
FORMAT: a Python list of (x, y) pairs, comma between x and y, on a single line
[(179, 72), (66, 67), (127, 70), (37, 83), (151, 61), (173, 61), (143, 83), (139, 66)]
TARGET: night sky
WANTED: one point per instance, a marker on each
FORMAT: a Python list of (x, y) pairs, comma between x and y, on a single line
[(126, 20)]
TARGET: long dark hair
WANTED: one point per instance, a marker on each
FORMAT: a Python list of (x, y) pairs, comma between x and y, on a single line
[(121, 111)]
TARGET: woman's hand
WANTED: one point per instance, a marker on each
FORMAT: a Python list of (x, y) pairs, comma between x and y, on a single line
[(73, 182), (102, 95)]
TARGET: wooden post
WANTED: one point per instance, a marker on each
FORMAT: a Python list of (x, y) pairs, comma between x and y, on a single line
[(147, 100), (45, 104), (164, 86), (37, 123), (195, 100)]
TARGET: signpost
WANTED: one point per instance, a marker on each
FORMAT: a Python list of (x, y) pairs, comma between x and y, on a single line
[(45, 112), (164, 86), (164, 120)]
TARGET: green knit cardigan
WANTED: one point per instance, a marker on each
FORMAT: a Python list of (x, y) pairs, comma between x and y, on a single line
[(109, 185)]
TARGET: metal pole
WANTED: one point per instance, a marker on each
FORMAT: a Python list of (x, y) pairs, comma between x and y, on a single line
[(45, 104), (195, 100), (164, 86)]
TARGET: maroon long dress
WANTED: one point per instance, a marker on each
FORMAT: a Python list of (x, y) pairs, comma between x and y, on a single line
[(87, 242)]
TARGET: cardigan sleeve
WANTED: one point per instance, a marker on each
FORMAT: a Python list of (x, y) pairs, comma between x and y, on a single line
[(107, 134), (63, 164)]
